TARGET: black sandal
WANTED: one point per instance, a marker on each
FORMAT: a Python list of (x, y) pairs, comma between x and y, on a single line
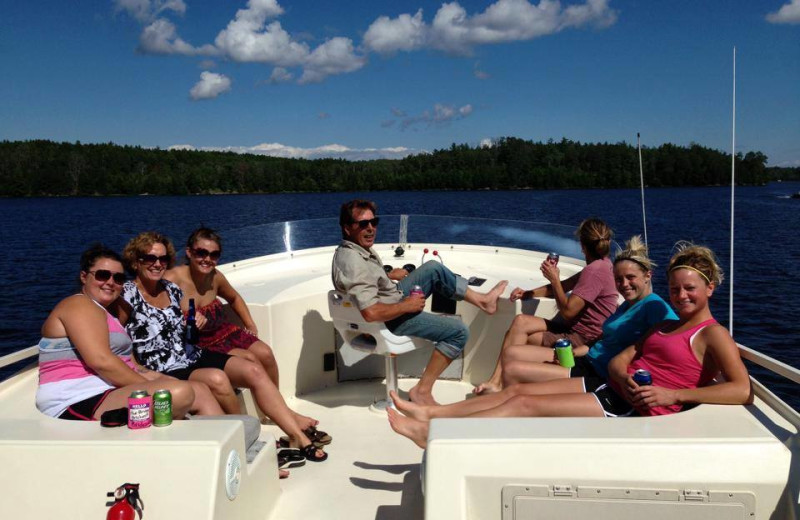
[(310, 453), (318, 437), (290, 458)]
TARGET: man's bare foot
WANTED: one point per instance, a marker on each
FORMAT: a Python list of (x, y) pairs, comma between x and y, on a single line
[(410, 428), (419, 397), (283, 473), (487, 388), (409, 409), (488, 301)]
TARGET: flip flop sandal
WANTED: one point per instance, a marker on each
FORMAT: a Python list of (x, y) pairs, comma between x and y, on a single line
[(283, 442), (318, 437), (290, 458), (310, 453)]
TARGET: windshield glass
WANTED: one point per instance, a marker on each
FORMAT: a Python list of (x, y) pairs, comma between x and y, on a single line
[(287, 237)]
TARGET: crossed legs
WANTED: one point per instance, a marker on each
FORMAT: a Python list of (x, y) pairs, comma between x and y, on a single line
[(524, 329)]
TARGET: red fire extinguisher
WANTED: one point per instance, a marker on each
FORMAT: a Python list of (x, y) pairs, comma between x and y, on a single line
[(126, 503)]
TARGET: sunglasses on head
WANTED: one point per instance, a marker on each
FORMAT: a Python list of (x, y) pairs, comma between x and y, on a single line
[(104, 275), (366, 222), (151, 259), (199, 252)]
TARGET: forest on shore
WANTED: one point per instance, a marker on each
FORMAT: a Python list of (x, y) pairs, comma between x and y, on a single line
[(47, 168)]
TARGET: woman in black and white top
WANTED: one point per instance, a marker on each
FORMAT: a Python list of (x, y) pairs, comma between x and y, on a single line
[(150, 309)]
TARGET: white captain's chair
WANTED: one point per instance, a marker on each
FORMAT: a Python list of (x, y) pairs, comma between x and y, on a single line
[(370, 337)]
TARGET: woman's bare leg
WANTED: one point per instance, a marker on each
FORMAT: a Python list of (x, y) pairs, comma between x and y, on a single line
[(557, 405), (182, 396), (268, 398), (521, 328), (477, 404), (205, 403), (220, 385), (530, 364)]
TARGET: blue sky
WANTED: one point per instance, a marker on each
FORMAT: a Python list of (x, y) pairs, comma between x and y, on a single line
[(376, 78)]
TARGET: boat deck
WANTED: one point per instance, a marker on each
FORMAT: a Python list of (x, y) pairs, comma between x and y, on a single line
[(369, 466)]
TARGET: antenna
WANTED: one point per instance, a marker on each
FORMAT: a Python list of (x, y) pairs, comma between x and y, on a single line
[(733, 200), (641, 179)]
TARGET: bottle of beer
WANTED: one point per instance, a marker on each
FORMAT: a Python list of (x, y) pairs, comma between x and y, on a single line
[(192, 335)]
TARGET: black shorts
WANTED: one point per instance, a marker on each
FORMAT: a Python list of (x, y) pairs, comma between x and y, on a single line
[(84, 410), (207, 359), (591, 379), (613, 405)]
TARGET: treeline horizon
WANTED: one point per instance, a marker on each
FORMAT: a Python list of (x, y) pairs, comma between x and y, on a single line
[(47, 168)]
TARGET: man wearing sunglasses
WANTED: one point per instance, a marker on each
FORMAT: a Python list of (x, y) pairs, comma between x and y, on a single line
[(358, 271)]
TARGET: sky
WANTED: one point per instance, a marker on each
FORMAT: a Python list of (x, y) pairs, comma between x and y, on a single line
[(365, 79)]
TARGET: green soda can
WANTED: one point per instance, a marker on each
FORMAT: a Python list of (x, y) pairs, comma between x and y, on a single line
[(564, 353), (162, 408)]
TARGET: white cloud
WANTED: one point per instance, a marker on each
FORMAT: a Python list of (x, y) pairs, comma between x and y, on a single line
[(146, 10), (788, 13), (161, 37), (478, 73), (453, 30), (335, 151), (441, 115), (207, 64), (210, 86), (404, 33), (248, 39), (280, 75), (335, 56), (255, 36), (487, 143)]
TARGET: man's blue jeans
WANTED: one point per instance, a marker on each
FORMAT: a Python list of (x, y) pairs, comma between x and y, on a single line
[(450, 335)]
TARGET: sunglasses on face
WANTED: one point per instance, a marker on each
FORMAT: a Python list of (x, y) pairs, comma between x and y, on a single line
[(366, 222), (201, 253), (151, 259), (104, 275)]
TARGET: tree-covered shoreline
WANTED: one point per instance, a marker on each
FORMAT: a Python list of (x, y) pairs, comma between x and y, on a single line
[(46, 168)]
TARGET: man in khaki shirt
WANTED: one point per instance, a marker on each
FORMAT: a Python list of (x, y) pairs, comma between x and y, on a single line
[(358, 271)]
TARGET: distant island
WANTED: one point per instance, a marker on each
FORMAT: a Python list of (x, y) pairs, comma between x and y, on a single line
[(46, 168)]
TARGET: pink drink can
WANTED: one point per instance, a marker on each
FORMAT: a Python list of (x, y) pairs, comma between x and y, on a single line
[(416, 290), (553, 258), (140, 410)]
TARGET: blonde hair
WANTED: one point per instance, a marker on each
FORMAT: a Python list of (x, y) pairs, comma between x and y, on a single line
[(595, 237), (141, 244), (699, 259), (636, 252)]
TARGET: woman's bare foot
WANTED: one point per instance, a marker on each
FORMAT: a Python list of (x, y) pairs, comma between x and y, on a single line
[(421, 397), (487, 302), (304, 422), (410, 428), (489, 387), (409, 409), (283, 473)]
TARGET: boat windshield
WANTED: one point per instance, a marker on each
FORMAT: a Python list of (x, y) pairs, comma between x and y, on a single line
[(290, 236)]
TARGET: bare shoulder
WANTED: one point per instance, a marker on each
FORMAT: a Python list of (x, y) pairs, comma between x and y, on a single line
[(717, 338), (177, 274)]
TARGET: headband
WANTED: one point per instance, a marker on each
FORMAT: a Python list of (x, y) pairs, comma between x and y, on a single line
[(693, 269)]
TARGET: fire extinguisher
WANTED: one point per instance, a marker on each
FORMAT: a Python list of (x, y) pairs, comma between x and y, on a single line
[(126, 503)]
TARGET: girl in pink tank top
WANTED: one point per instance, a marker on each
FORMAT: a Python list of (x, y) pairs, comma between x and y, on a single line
[(684, 357)]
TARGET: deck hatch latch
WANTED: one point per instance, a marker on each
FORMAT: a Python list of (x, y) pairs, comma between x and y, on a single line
[(563, 490), (695, 495)]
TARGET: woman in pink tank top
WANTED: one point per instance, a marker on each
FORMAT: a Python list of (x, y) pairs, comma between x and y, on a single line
[(683, 357)]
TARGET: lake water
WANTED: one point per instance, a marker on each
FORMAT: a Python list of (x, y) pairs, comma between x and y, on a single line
[(45, 237)]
